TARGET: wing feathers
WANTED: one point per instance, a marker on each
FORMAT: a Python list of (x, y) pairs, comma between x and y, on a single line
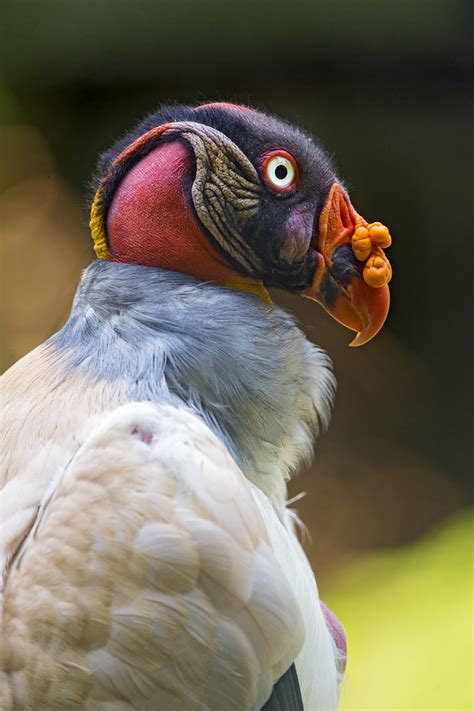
[(148, 581), (286, 695)]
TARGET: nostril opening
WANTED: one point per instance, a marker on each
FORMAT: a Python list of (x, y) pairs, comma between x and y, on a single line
[(345, 216)]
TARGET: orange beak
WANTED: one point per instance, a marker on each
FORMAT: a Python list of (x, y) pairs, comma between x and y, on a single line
[(352, 273)]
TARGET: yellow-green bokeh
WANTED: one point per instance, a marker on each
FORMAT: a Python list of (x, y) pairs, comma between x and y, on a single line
[(408, 615)]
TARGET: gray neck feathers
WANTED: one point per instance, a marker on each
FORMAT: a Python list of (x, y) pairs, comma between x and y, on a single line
[(240, 364)]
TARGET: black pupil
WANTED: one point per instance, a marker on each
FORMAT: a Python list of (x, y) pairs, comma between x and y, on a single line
[(281, 171)]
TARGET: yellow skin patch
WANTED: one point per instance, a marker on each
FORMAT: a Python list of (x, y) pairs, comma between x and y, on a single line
[(97, 227), (251, 286), (368, 243)]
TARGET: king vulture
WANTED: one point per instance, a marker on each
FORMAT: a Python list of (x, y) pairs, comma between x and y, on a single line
[(149, 558)]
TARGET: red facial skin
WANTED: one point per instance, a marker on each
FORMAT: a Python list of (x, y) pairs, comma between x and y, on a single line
[(150, 222)]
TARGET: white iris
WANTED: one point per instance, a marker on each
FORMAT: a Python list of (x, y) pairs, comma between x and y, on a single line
[(280, 172)]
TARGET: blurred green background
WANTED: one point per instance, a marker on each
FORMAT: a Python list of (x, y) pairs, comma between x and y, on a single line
[(386, 86)]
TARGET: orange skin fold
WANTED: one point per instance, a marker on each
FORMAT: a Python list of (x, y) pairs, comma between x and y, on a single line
[(362, 303)]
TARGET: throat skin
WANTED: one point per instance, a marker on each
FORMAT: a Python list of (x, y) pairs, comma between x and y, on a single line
[(149, 334), (150, 222)]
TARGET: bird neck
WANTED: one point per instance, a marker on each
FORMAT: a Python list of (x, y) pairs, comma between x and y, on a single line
[(239, 363), (150, 222)]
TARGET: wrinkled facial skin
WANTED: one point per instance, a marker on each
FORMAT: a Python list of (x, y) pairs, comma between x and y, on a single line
[(263, 233), (287, 222)]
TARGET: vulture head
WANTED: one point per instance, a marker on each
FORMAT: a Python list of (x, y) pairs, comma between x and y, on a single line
[(237, 197)]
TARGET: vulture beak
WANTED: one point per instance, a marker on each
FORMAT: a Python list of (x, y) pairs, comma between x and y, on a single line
[(352, 272)]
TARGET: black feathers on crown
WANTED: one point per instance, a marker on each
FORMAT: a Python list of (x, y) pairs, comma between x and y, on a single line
[(272, 131)]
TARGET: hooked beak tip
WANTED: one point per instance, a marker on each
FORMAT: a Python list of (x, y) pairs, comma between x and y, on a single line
[(371, 305), (351, 276)]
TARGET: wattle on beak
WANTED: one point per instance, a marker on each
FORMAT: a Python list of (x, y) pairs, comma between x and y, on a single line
[(352, 271)]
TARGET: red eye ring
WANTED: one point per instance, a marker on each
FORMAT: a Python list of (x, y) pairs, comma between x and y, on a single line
[(280, 170)]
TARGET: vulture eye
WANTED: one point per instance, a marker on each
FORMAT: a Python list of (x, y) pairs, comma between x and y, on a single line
[(280, 170)]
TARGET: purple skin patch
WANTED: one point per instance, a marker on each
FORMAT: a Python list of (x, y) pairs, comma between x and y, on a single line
[(299, 230), (145, 435), (339, 636)]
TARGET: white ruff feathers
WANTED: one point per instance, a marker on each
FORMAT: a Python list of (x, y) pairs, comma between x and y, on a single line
[(151, 540), (142, 568)]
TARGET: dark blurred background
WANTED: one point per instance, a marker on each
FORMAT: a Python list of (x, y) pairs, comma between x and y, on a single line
[(387, 88)]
